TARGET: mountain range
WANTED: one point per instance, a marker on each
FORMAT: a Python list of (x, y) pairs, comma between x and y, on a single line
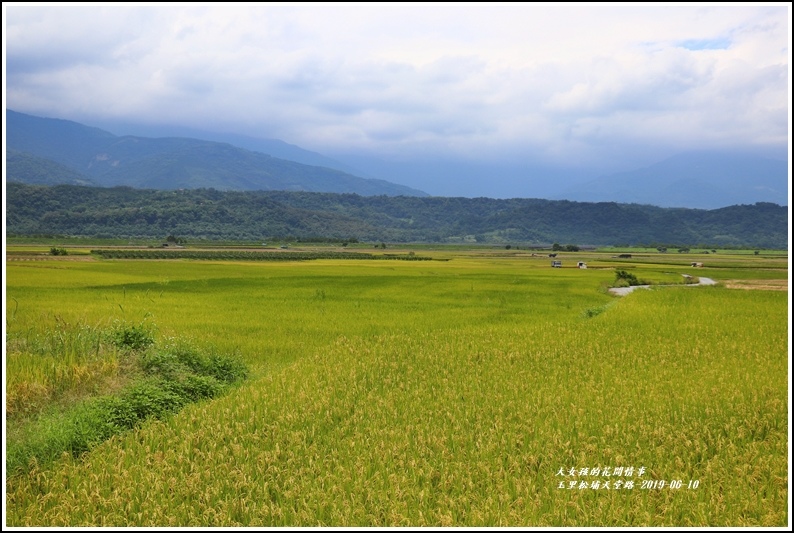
[(168, 163), (168, 158), (273, 147)]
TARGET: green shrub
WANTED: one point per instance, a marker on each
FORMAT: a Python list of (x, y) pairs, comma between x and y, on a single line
[(132, 337), (623, 279)]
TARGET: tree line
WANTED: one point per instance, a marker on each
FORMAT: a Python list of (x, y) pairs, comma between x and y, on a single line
[(261, 215)]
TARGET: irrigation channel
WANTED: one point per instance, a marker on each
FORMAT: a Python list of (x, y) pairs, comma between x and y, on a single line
[(623, 291)]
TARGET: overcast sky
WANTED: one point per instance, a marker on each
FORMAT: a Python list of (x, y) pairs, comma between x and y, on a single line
[(568, 84)]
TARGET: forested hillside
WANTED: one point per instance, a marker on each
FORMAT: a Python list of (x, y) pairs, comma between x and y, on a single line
[(208, 213), (28, 168)]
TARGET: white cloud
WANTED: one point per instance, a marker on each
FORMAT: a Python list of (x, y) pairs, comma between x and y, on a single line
[(541, 79)]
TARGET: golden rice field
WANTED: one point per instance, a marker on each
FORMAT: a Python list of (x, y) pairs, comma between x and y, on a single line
[(484, 390)]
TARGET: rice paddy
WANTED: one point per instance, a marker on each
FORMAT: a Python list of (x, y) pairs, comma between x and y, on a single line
[(484, 390)]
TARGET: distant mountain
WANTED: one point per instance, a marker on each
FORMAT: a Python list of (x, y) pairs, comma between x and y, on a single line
[(272, 147), (26, 168), (704, 180), (177, 162), (444, 176)]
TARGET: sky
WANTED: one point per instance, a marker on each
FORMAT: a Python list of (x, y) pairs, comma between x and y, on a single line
[(587, 85)]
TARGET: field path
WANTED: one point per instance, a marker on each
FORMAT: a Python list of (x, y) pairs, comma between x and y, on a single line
[(623, 291)]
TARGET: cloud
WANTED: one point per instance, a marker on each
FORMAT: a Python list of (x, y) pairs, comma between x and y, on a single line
[(48, 39), (720, 43), (561, 82)]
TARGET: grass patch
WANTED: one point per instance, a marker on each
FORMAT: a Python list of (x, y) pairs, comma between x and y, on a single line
[(592, 312), (163, 380)]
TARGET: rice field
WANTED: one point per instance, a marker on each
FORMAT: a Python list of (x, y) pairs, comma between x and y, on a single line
[(484, 390)]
